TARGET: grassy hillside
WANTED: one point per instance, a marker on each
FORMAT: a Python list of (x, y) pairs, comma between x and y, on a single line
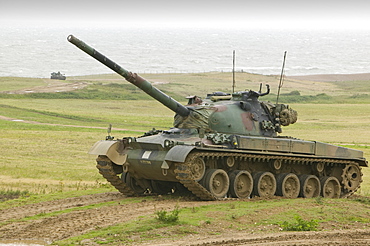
[(51, 156), (178, 86)]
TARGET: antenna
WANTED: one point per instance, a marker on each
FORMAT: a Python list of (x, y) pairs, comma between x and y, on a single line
[(233, 71), (281, 79), (109, 130)]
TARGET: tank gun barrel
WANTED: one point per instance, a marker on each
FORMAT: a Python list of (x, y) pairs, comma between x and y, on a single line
[(133, 78)]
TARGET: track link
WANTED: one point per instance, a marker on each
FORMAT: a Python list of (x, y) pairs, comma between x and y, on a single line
[(105, 168), (185, 177)]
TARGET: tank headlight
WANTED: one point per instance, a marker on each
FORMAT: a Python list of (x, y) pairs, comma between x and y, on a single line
[(131, 140), (168, 143)]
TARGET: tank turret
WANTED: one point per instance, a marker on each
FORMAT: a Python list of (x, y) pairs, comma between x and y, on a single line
[(225, 145), (239, 113)]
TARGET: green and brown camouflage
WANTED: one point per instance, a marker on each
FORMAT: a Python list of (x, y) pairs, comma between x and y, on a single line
[(225, 145), (250, 117)]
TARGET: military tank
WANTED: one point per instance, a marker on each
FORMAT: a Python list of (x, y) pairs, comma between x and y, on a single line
[(58, 75), (224, 146)]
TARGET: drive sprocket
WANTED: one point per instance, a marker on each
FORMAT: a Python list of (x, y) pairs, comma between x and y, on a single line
[(351, 177)]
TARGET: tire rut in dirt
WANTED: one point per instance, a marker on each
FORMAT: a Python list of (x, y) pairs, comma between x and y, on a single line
[(346, 237), (57, 205), (75, 223)]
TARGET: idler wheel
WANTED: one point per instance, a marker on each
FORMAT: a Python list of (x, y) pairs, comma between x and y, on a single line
[(287, 185), (351, 177), (310, 186), (330, 187), (241, 184), (216, 181), (264, 184)]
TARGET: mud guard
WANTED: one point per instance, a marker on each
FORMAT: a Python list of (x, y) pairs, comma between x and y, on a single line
[(178, 153), (108, 148)]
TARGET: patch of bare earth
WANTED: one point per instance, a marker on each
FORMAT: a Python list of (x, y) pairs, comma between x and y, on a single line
[(54, 86), (51, 86), (355, 237), (76, 222)]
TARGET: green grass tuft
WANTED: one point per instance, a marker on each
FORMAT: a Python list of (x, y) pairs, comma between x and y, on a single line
[(12, 194), (300, 225), (164, 216)]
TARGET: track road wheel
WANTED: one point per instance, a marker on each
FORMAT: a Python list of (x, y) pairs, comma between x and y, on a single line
[(264, 184), (310, 186), (161, 187), (124, 177), (330, 187), (132, 183), (181, 190), (287, 185), (241, 184), (216, 181)]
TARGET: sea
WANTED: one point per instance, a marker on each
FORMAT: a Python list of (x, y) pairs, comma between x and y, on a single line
[(37, 51)]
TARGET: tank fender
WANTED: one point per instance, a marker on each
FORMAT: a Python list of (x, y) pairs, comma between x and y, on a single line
[(178, 153), (110, 149)]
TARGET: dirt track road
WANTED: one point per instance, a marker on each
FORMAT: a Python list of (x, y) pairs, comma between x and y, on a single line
[(75, 222), (78, 221)]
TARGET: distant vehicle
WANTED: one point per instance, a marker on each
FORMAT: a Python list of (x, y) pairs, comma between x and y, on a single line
[(58, 75)]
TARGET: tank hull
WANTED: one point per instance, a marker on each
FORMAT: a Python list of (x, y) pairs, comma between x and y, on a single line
[(283, 165)]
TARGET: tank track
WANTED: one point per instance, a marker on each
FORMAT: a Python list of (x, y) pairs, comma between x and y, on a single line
[(105, 168), (184, 175)]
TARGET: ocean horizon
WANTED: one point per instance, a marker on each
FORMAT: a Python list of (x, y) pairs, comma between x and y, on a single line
[(38, 51)]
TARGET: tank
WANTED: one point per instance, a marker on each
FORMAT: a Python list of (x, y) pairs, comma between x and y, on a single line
[(58, 75), (227, 145)]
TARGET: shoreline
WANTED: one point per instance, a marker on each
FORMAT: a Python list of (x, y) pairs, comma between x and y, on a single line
[(309, 77)]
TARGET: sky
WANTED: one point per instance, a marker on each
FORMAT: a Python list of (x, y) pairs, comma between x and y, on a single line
[(191, 13)]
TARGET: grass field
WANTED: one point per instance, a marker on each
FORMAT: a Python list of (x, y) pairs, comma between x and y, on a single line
[(52, 156), (45, 138)]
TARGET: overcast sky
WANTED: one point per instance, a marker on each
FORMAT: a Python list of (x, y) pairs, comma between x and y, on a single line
[(256, 13)]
